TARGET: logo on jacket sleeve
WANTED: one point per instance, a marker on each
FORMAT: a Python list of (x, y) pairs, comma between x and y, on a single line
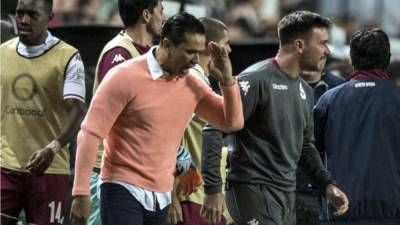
[(302, 92), (118, 58), (245, 86)]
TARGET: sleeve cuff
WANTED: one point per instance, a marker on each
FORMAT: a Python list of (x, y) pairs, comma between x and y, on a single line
[(229, 85), (80, 191), (212, 189)]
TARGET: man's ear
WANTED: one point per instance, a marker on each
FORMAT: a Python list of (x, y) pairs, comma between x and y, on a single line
[(206, 51), (146, 14), (299, 45), (166, 43)]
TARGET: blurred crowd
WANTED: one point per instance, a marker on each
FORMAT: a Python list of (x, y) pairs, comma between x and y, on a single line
[(246, 18), (251, 20), (323, 64)]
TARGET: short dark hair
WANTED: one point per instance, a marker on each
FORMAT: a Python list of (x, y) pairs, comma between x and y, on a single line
[(370, 49), (131, 10), (176, 26), (393, 70), (214, 29), (299, 24), (48, 6)]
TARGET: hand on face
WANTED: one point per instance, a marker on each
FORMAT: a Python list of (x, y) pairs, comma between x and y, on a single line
[(220, 66)]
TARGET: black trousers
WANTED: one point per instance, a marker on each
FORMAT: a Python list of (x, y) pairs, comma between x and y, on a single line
[(119, 207), (251, 204)]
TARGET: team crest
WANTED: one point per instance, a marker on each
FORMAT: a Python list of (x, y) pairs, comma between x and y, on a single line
[(24, 87), (244, 85)]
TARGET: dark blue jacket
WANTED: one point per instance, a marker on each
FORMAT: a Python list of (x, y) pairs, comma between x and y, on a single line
[(358, 125), (327, 82)]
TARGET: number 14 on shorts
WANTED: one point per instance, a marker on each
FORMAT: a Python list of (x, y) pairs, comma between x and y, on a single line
[(55, 212)]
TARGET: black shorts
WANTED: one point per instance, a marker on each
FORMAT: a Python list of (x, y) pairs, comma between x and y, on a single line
[(250, 204)]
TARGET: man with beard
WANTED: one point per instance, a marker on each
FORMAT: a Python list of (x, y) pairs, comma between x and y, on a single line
[(142, 20), (186, 208), (278, 132)]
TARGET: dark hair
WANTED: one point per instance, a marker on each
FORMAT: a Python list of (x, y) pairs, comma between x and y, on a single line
[(393, 70), (298, 24), (131, 10), (48, 6), (370, 49), (176, 26), (214, 29), (342, 67)]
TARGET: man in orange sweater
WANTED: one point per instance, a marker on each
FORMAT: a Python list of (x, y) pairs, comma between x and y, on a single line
[(141, 110)]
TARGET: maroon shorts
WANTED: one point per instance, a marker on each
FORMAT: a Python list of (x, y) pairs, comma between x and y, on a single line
[(191, 214), (43, 197)]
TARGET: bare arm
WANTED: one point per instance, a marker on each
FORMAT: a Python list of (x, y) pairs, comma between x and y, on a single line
[(85, 159), (73, 95), (76, 111), (42, 159)]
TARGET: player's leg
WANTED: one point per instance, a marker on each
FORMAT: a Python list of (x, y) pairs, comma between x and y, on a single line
[(47, 203), (288, 201), (158, 217), (250, 204), (12, 188)]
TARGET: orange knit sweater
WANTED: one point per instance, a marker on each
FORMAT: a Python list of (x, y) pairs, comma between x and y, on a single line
[(143, 120)]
